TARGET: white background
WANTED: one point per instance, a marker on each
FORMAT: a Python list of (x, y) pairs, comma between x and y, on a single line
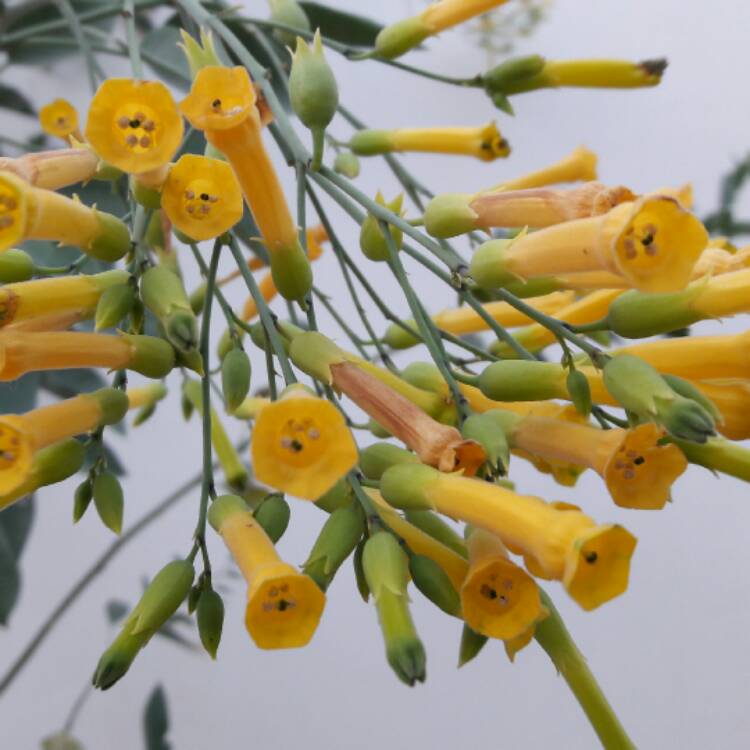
[(671, 654)]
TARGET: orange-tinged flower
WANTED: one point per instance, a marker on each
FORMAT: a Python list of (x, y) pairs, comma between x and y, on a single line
[(301, 444), (591, 561), (283, 606), (28, 212), (21, 436), (498, 599), (60, 119), (134, 125), (201, 197), (53, 170)]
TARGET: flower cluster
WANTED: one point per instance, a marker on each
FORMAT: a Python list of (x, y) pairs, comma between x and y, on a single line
[(558, 259)]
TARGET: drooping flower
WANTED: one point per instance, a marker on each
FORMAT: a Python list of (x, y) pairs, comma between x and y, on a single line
[(283, 606), (301, 444)]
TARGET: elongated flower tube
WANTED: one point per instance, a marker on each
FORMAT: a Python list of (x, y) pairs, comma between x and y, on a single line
[(591, 561), (22, 352), (535, 336), (134, 125), (60, 119), (221, 103), (638, 469), (719, 455), (636, 315), (498, 598), (653, 243), (31, 213), (451, 214), (464, 320), (301, 444), (400, 37), (484, 142), (53, 170), (436, 444), (79, 295), (49, 465), (201, 197), (283, 606), (578, 166), (21, 436)]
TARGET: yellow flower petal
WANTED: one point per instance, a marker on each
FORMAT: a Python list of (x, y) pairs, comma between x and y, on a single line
[(59, 118), (220, 98)]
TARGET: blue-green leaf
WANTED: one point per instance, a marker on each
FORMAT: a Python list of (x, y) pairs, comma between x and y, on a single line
[(12, 98), (156, 721), (348, 28)]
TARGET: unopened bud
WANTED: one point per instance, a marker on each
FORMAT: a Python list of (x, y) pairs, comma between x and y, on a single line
[(114, 304), (82, 499), (198, 298), (359, 573), (435, 584), (15, 265), (164, 595), (235, 378), (580, 392), (372, 241), (347, 164), (109, 501), (291, 271), (210, 616), (273, 515), (378, 457), (289, 13), (339, 496), (522, 380)]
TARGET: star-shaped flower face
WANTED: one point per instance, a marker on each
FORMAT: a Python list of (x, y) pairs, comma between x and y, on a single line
[(13, 210), (134, 125), (220, 98), (59, 118)]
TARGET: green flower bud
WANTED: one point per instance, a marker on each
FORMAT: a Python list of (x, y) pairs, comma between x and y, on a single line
[(491, 436), (163, 294), (168, 589), (435, 584), (522, 380), (113, 404), (397, 337), (290, 13), (340, 495), (378, 430), (109, 501), (424, 375), (378, 457), (194, 596), (137, 317), (688, 390), (314, 354), (432, 524), (471, 644), (291, 271), (235, 378), (449, 215), (359, 573), (114, 304), (152, 356), (313, 92), (117, 659), (198, 298), (512, 76), (579, 390), (273, 515), (61, 741), (210, 615), (386, 571), (347, 164), (226, 342), (403, 486), (337, 540), (372, 241), (15, 265), (82, 499)]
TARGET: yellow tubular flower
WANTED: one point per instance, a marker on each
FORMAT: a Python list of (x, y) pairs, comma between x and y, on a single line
[(580, 165), (60, 119), (42, 298), (463, 320), (301, 444), (53, 170), (221, 103), (145, 395), (485, 142), (22, 352), (498, 599), (22, 435), (283, 606), (250, 407), (639, 472), (653, 243), (585, 310), (422, 543), (30, 213), (591, 561), (201, 197), (134, 125), (400, 37), (52, 322)]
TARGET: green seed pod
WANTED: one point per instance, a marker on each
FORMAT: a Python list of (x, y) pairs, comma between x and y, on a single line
[(163, 294), (347, 164), (235, 378), (15, 265), (164, 595), (313, 92), (210, 615), (471, 644), (82, 499), (114, 304), (435, 584), (372, 241), (580, 392), (273, 515), (109, 501), (378, 457), (290, 13), (337, 540)]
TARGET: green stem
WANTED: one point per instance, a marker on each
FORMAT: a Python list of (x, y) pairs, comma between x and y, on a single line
[(554, 638), (134, 47), (92, 66)]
